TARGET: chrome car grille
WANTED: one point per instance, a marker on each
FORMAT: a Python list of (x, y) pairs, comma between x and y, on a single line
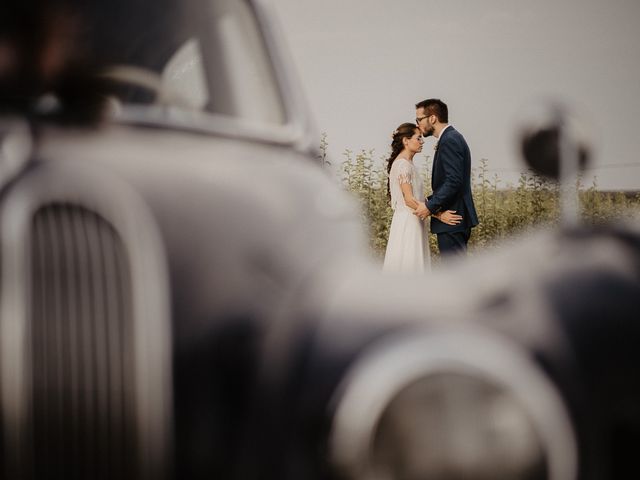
[(82, 347)]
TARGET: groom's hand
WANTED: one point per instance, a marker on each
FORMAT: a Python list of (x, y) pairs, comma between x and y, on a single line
[(422, 211)]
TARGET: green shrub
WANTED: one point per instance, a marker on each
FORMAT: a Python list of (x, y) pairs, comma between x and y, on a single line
[(502, 211)]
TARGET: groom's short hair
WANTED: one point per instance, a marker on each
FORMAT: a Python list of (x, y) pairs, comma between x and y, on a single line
[(435, 106)]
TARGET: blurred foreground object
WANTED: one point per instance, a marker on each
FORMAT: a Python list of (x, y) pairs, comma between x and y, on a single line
[(555, 144), (184, 292)]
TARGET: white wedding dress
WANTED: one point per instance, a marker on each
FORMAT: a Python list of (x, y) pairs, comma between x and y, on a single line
[(408, 246)]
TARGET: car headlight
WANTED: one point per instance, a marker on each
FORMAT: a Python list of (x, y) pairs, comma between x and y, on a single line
[(451, 405)]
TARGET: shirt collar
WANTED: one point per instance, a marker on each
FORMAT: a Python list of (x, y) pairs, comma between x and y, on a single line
[(440, 136)]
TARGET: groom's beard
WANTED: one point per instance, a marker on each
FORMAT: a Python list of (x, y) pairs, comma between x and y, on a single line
[(428, 133)]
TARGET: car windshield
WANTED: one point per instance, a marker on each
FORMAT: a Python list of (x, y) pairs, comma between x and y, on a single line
[(207, 56)]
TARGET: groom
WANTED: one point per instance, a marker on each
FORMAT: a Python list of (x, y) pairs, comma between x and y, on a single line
[(450, 178)]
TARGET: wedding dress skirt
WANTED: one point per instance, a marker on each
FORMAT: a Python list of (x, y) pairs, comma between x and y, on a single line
[(408, 245)]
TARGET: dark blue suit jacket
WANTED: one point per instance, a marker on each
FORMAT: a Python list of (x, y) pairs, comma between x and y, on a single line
[(451, 182)]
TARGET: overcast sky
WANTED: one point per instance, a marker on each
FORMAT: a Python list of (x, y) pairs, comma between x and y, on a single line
[(365, 63)]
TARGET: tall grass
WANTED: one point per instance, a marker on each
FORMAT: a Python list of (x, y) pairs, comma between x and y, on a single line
[(503, 210)]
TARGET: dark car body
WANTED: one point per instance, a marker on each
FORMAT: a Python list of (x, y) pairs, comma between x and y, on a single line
[(186, 293)]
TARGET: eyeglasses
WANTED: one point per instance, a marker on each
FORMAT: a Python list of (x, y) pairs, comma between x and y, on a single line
[(419, 119)]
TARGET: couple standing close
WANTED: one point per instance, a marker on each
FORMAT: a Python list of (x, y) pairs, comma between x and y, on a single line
[(451, 207)]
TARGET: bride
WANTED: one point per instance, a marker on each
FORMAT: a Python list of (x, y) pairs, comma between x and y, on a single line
[(408, 245)]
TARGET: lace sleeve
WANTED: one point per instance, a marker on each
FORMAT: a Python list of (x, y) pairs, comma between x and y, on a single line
[(405, 172)]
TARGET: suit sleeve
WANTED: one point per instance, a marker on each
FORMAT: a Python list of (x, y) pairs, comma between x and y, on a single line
[(452, 157)]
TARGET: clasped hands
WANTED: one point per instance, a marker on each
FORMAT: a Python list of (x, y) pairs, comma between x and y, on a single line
[(448, 216)]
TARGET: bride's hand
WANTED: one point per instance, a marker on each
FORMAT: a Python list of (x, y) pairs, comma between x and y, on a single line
[(449, 217)]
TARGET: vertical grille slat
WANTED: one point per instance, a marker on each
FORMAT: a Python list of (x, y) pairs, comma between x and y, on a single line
[(89, 239), (99, 341), (95, 309), (84, 268), (41, 277), (71, 324), (81, 329)]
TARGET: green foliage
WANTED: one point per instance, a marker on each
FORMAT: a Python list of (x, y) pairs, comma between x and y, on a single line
[(322, 154), (502, 211), (368, 183)]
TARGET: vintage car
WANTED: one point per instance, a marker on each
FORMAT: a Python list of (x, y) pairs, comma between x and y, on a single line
[(186, 294)]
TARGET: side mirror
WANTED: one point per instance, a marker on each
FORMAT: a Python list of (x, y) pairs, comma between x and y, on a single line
[(541, 149), (554, 144)]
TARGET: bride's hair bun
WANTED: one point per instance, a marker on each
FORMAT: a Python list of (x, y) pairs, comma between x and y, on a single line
[(406, 130)]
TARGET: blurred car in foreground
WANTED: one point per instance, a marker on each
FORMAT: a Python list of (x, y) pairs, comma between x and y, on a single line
[(186, 294)]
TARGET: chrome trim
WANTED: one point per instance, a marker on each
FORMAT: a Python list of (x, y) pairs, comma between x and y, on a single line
[(16, 144), (290, 87), (389, 367), (72, 182), (207, 123)]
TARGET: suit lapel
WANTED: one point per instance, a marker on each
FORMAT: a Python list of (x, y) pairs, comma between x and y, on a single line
[(433, 164), (435, 156)]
